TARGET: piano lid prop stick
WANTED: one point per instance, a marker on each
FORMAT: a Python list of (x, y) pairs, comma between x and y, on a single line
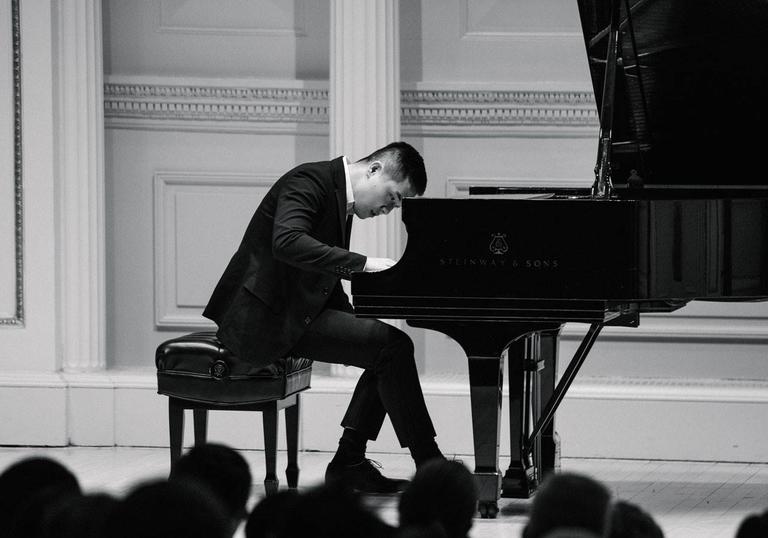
[(603, 186), (564, 384)]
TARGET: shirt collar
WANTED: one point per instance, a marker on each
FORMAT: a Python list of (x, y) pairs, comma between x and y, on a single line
[(348, 182)]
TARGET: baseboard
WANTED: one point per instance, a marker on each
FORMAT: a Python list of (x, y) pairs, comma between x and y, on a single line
[(33, 409), (661, 419), (670, 419)]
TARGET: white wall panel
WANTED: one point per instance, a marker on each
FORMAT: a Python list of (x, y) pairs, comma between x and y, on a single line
[(525, 43), (227, 38), (193, 240), (502, 19), (233, 17)]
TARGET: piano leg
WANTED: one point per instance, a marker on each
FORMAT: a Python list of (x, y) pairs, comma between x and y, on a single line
[(550, 442), (521, 477), (484, 345), (532, 373), (485, 378)]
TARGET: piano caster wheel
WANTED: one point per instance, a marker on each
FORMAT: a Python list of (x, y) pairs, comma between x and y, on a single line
[(488, 509)]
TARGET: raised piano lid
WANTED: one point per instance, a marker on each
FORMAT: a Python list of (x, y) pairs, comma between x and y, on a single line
[(691, 106)]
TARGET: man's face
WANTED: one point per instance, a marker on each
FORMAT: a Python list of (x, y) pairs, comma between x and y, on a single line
[(378, 193)]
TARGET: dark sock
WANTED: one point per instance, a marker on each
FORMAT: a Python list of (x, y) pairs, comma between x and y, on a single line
[(425, 450), (351, 447)]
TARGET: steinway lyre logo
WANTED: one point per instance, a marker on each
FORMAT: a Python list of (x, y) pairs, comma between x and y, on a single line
[(498, 243)]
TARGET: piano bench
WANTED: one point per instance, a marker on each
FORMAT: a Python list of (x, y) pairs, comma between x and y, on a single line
[(197, 372)]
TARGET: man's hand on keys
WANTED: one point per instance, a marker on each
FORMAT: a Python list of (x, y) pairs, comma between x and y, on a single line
[(373, 265)]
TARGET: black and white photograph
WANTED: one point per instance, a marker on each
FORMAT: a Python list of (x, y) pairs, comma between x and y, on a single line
[(383, 269)]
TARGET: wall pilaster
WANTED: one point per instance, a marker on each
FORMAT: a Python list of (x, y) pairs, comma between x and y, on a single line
[(80, 184), (365, 99), (364, 104)]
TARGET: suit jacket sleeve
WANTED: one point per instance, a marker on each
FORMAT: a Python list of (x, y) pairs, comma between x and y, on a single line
[(306, 209)]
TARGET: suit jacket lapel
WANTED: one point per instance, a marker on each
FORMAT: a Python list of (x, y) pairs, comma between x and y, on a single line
[(339, 181), (348, 232)]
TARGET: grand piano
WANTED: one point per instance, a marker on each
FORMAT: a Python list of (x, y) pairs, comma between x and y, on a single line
[(677, 211)]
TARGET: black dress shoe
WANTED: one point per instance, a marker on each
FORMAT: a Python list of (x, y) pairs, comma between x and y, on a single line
[(363, 477)]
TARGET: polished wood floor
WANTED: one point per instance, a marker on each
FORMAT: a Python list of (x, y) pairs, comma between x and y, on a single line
[(687, 499)]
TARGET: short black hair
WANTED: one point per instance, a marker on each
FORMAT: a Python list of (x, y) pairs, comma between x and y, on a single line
[(168, 508), (628, 520), (442, 491), (569, 500), (220, 468), (34, 477), (333, 510), (402, 161)]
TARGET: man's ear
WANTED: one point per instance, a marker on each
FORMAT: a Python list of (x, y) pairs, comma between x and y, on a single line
[(374, 167)]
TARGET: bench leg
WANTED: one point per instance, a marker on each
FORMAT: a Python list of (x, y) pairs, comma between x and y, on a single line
[(176, 428), (292, 439), (269, 416), (201, 425)]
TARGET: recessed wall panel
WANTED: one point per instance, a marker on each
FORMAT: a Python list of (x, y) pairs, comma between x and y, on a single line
[(260, 39), (515, 43), (241, 17), (200, 219), (10, 173), (502, 18)]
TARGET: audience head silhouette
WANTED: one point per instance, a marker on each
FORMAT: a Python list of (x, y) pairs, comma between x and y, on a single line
[(572, 532), (433, 530), (28, 488), (630, 521), (78, 517), (163, 508), (568, 501), (333, 511), (221, 469), (268, 517), (753, 526), (442, 492)]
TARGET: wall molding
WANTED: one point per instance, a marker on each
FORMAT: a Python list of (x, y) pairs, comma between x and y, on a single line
[(17, 320), (218, 105), (600, 387), (692, 328), (648, 418), (480, 112)]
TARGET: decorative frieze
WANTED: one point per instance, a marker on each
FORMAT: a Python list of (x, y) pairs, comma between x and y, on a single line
[(214, 92), (213, 105), (227, 107), (471, 108)]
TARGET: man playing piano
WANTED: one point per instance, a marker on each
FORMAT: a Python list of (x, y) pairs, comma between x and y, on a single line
[(281, 295)]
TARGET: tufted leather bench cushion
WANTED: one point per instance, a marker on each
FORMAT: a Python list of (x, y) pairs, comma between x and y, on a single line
[(199, 368)]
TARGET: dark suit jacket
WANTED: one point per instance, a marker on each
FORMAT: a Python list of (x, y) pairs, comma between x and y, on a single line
[(288, 266)]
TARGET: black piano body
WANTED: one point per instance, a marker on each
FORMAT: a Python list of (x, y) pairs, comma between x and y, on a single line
[(498, 274), (486, 257), (678, 211)]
